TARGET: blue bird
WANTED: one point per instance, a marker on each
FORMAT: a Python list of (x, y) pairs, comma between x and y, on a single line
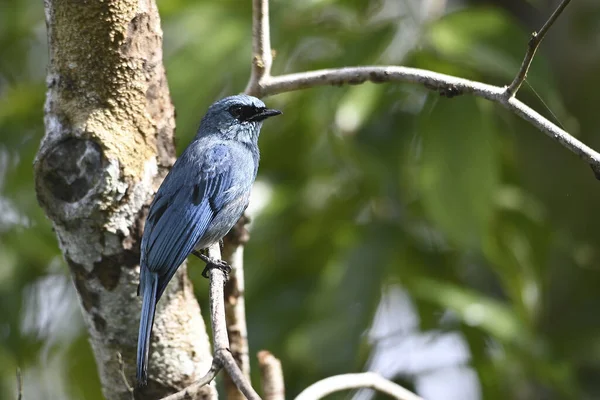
[(200, 200)]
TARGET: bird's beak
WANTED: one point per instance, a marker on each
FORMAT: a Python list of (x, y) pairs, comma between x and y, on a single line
[(264, 114)]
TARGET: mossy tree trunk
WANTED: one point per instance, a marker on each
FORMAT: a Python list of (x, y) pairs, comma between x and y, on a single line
[(108, 144)]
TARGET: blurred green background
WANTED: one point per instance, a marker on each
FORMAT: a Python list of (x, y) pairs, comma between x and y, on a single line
[(444, 243)]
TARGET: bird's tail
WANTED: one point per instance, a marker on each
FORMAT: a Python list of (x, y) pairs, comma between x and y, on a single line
[(149, 286)]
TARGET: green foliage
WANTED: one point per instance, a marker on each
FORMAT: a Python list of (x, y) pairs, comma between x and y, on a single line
[(486, 224), (459, 171)]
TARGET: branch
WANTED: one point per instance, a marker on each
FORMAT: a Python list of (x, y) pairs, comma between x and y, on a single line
[(221, 342), (194, 391), (19, 384), (365, 380), (235, 308), (271, 376), (446, 85), (534, 42), (261, 44), (222, 359), (124, 376)]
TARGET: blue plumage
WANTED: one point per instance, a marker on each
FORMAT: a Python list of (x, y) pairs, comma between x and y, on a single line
[(200, 200)]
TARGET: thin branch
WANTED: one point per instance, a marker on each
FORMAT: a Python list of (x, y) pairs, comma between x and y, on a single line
[(193, 391), (222, 356), (221, 340), (271, 374), (534, 42), (446, 85), (19, 384), (262, 58), (217, 305), (235, 309), (124, 376), (366, 380), (236, 375)]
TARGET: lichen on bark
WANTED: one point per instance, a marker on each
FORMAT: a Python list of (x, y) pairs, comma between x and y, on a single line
[(108, 145)]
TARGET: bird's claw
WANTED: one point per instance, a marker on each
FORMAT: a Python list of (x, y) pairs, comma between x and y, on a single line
[(218, 264), (212, 263)]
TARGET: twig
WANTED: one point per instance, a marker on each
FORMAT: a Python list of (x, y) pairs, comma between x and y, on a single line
[(192, 391), (235, 309), (262, 58), (123, 376), (366, 380), (532, 46), (271, 376), (446, 85), (222, 356), (19, 384)]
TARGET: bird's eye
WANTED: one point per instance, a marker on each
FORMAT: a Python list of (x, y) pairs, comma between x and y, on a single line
[(243, 113), (236, 111)]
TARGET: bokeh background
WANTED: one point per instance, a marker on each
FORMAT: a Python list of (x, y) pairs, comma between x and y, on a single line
[(444, 243)]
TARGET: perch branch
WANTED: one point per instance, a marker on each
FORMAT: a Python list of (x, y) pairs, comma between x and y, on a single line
[(365, 380), (222, 358), (532, 46), (271, 376), (235, 309), (449, 86)]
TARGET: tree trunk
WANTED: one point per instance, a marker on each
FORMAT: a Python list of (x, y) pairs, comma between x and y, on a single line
[(108, 145)]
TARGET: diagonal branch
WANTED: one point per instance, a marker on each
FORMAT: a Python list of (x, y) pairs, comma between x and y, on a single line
[(365, 380), (534, 42), (450, 86), (193, 391)]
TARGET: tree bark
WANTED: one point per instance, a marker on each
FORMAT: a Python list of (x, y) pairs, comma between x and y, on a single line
[(108, 145)]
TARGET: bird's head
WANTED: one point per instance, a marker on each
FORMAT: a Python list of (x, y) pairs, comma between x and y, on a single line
[(238, 117)]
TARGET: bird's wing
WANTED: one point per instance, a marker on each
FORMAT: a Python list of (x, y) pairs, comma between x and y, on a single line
[(182, 210)]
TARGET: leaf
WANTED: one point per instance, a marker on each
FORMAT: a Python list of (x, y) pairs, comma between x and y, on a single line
[(485, 38), (356, 106), (459, 169), (474, 309)]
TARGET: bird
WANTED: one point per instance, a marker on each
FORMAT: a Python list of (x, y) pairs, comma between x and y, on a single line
[(199, 201)]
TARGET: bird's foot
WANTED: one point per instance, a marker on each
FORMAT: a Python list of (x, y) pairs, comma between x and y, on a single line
[(218, 264), (212, 263), (202, 256)]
